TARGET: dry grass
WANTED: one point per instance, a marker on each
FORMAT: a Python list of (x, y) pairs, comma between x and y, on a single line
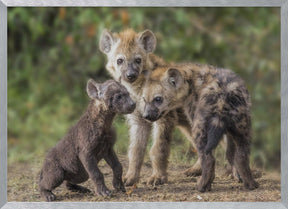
[(23, 180)]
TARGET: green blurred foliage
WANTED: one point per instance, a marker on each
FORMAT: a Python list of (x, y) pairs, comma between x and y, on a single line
[(53, 51)]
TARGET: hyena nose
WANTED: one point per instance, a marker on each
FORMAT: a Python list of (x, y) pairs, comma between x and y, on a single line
[(131, 75), (133, 105), (147, 117)]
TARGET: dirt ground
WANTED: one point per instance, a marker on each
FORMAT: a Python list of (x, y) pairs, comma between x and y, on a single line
[(23, 180)]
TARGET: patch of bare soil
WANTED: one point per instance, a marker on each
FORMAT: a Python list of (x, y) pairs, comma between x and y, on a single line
[(23, 186)]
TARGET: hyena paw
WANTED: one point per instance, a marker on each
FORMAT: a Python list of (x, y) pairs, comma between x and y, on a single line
[(49, 196), (193, 172), (257, 174), (236, 176), (130, 180), (118, 185), (103, 191), (157, 180), (251, 185), (202, 187)]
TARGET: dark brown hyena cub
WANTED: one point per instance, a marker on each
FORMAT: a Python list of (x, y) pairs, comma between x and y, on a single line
[(74, 159), (216, 102)]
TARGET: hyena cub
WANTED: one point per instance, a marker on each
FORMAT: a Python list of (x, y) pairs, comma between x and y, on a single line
[(216, 102), (74, 159), (130, 60)]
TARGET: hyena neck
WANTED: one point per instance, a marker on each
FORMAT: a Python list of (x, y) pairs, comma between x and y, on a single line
[(99, 115), (198, 76), (135, 88), (154, 61)]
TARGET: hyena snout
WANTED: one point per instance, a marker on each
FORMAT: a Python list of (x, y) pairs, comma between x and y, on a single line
[(151, 114), (131, 74), (129, 106)]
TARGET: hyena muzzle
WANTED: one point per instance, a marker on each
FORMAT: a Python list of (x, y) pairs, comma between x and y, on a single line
[(216, 102)]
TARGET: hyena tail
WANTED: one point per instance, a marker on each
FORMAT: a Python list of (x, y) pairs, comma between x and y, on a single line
[(214, 135)]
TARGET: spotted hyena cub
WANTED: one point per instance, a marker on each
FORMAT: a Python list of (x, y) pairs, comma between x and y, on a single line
[(216, 102), (74, 159), (130, 59)]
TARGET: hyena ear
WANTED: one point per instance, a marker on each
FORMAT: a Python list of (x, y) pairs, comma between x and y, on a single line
[(106, 41), (92, 89), (175, 78), (148, 40)]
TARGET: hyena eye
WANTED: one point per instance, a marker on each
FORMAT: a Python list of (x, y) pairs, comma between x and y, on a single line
[(120, 61), (118, 97), (138, 60), (158, 100)]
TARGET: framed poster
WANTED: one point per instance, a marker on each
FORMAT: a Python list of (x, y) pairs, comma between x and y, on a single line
[(51, 50)]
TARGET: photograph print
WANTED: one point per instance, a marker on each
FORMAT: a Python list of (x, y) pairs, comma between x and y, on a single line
[(144, 104)]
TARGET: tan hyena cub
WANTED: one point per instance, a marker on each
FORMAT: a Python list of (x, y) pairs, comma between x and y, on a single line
[(74, 159), (130, 60), (216, 102)]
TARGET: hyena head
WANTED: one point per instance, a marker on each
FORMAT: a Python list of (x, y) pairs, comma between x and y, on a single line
[(112, 94), (127, 52), (164, 91)]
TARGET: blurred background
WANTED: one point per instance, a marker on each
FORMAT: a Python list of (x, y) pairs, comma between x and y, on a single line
[(52, 52)]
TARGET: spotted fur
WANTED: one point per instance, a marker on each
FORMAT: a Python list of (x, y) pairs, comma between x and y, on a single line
[(216, 102)]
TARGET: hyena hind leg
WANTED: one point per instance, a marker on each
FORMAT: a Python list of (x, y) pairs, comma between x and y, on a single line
[(241, 161), (50, 178), (204, 149), (230, 155), (208, 172)]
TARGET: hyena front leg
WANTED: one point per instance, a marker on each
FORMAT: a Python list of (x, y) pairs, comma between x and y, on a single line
[(196, 169), (159, 153), (112, 160), (184, 125), (139, 133)]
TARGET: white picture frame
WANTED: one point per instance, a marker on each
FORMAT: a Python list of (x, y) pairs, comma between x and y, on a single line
[(283, 4)]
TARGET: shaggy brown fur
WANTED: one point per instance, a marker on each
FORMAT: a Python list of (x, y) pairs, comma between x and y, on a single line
[(74, 159), (130, 60), (216, 102)]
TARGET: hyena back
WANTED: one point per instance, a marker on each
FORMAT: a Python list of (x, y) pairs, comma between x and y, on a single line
[(130, 61), (216, 102)]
